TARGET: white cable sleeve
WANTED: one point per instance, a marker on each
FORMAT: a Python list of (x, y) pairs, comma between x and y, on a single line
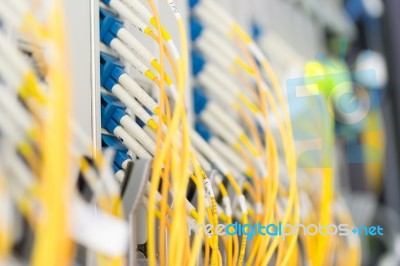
[(131, 103), (208, 188), (131, 143), (205, 149), (233, 170), (14, 108), (242, 203), (138, 133), (230, 155), (125, 164), (120, 176), (223, 16), (225, 118), (217, 42), (227, 81), (256, 51), (136, 91), (9, 16), (139, 9), (15, 58), (174, 9), (203, 162), (209, 19), (218, 129), (216, 89), (174, 50), (125, 12), (21, 7), (130, 57), (139, 49), (22, 173), (212, 54), (10, 76), (9, 129), (150, 132)]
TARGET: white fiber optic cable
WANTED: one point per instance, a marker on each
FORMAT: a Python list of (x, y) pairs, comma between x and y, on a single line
[(9, 129), (219, 129), (9, 16), (232, 139), (212, 70), (228, 153), (137, 7), (213, 79), (139, 49), (23, 175), (138, 133), (142, 52), (124, 11), (15, 58), (127, 54), (14, 108), (223, 117), (205, 149), (20, 7), (132, 104), (213, 87), (205, 164), (141, 11), (131, 58), (120, 176), (210, 12), (209, 18), (136, 91), (131, 143), (217, 49)]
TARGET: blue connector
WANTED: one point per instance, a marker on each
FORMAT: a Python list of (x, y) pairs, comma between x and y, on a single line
[(203, 131), (120, 158), (195, 29), (200, 100), (109, 26), (255, 30), (198, 63), (193, 3), (109, 141), (112, 110), (115, 143), (110, 71)]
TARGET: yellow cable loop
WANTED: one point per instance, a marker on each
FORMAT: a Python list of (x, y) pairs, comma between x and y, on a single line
[(157, 165), (285, 134), (270, 160), (196, 246)]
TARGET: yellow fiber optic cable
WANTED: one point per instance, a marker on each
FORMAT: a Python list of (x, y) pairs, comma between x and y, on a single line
[(52, 244)]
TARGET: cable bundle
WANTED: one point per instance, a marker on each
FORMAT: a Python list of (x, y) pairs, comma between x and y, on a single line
[(234, 167), (41, 148), (240, 155)]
